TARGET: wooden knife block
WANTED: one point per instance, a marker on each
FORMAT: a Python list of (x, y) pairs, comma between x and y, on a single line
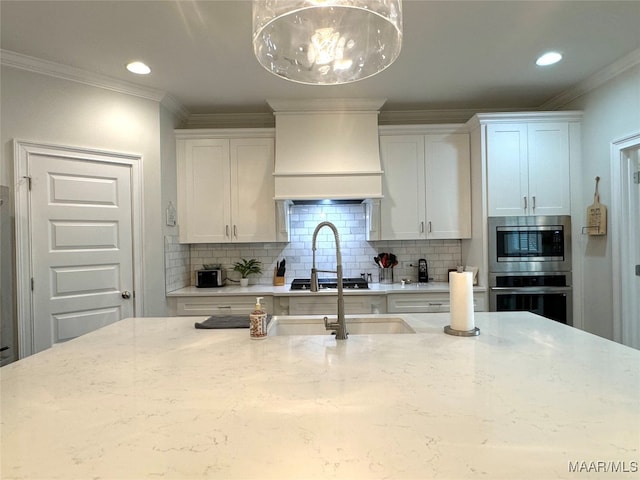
[(277, 281)]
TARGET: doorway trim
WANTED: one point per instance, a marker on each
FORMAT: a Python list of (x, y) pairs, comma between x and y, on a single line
[(24, 267), (619, 169)]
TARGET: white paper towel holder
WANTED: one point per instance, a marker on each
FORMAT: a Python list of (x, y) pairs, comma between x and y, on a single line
[(474, 332), (461, 333)]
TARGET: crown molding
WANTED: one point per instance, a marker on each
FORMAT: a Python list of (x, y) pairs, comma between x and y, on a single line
[(594, 81), (230, 120), (439, 116), (172, 104), (326, 104), (66, 72)]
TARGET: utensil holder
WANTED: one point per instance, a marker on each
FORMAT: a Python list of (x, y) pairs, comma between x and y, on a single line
[(277, 281), (386, 275)]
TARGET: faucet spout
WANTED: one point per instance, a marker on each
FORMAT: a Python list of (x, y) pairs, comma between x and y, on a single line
[(340, 326)]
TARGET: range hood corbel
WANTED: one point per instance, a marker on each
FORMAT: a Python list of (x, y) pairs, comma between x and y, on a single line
[(327, 149)]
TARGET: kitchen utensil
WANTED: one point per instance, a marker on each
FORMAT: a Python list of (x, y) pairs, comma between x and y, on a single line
[(596, 215), (281, 268)]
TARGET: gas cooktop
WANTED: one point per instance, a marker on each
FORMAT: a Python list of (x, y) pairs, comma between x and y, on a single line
[(351, 283)]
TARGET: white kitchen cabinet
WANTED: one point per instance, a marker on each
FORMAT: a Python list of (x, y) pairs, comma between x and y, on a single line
[(315, 304), (225, 188), (528, 168), (220, 305), (426, 302), (426, 186)]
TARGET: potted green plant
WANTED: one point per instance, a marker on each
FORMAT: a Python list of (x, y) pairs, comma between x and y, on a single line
[(247, 267)]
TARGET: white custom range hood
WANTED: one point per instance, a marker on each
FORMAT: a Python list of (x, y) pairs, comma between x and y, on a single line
[(327, 149)]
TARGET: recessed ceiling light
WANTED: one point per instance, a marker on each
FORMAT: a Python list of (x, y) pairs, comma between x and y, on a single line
[(139, 68), (548, 58)]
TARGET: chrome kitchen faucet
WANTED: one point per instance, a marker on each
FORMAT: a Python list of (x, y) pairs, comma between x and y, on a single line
[(340, 326)]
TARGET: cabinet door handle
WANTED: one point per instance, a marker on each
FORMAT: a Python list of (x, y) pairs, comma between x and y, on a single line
[(525, 202), (421, 227), (429, 227), (533, 201), (235, 231), (226, 230)]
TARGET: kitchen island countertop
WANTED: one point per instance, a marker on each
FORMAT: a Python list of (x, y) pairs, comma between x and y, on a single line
[(157, 398)]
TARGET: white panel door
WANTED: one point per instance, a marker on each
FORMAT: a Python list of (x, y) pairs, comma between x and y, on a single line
[(402, 210), (253, 209), (549, 185), (507, 169), (203, 191), (448, 191), (81, 246), (630, 265)]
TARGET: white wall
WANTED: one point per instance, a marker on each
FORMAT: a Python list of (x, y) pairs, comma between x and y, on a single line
[(45, 109), (610, 112)]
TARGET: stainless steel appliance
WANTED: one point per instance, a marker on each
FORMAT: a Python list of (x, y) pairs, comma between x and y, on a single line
[(423, 274), (546, 294), (211, 278), (525, 244), (323, 283), (530, 266)]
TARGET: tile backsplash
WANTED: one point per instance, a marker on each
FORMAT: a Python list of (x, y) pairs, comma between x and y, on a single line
[(357, 254)]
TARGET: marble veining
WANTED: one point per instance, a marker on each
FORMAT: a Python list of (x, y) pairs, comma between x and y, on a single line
[(156, 398)]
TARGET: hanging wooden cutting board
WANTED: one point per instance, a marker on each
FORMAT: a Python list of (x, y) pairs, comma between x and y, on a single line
[(596, 215)]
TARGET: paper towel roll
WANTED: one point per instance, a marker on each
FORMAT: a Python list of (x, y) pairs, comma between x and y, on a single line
[(461, 300)]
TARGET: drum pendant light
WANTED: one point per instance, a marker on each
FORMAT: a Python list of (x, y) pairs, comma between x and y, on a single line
[(326, 42)]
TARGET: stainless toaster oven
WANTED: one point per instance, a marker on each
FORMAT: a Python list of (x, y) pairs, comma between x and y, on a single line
[(211, 278)]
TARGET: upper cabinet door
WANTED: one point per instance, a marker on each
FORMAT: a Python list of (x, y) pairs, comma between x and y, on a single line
[(402, 209), (507, 167), (203, 190), (426, 186), (253, 209), (528, 168), (226, 190), (549, 184), (448, 186)]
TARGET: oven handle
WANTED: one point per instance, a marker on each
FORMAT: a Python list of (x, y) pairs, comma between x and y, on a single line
[(531, 289)]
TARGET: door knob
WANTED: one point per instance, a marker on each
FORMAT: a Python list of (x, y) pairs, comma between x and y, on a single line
[(126, 294)]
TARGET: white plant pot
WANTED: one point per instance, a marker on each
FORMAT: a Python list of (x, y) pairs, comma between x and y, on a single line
[(244, 282)]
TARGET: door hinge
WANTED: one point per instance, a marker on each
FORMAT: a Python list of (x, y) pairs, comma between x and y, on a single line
[(636, 177)]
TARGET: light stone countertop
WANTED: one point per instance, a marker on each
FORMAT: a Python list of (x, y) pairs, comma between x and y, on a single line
[(374, 289), (156, 398)]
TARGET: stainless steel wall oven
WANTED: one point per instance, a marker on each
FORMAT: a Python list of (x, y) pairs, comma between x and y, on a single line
[(530, 266)]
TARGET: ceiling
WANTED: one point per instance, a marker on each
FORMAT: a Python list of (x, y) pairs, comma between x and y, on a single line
[(455, 55)]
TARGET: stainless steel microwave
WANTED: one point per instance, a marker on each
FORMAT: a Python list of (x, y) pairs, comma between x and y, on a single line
[(530, 244)]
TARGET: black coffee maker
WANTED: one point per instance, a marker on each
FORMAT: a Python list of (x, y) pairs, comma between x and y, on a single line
[(423, 274)]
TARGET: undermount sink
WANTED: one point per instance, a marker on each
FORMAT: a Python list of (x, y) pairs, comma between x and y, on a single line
[(314, 325)]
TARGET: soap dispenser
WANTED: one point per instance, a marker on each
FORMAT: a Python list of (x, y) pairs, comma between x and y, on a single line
[(258, 321)]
